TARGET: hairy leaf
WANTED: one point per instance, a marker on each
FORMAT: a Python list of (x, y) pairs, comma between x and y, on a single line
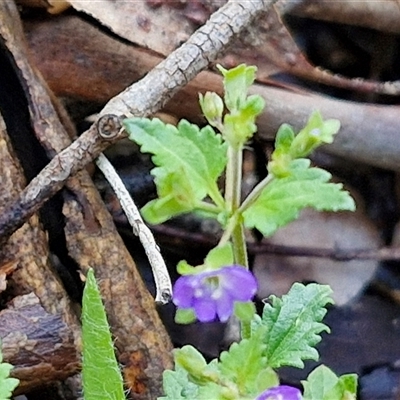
[(188, 163), (100, 371), (177, 386), (293, 324), (282, 200), (243, 364)]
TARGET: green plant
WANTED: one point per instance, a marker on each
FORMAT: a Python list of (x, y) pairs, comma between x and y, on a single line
[(188, 164)]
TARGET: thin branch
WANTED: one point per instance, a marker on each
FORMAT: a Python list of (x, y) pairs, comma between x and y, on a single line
[(143, 98), (160, 272)]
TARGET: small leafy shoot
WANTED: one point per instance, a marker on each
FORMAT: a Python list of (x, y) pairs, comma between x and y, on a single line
[(289, 146)]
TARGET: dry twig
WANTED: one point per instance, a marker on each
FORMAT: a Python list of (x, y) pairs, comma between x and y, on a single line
[(140, 229), (143, 98)]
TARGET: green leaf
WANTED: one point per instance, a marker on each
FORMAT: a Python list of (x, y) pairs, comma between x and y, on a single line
[(100, 371), (188, 163), (199, 381), (244, 362), (323, 384), (283, 198), (349, 382), (219, 256), (185, 316), (293, 324), (176, 196), (183, 268), (191, 360), (177, 386), (194, 363), (7, 384), (284, 139), (236, 83), (239, 126)]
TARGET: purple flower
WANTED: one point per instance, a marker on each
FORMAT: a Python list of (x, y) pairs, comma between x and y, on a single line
[(212, 294), (280, 393)]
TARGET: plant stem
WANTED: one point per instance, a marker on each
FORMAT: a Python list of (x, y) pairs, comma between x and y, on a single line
[(255, 193), (216, 197), (208, 207), (233, 178), (232, 198)]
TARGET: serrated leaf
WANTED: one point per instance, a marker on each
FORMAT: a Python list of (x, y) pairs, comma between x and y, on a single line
[(282, 200), (177, 386), (187, 159), (293, 324), (7, 384), (101, 376), (323, 384), (244, 362)]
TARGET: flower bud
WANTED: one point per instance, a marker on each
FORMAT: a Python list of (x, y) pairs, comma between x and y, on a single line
[(212, 106)]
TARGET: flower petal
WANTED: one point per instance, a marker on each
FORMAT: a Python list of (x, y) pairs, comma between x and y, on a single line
[(213, 293), (281, 392), (239, 282), (224, 306), (205, 309), (184, 289)]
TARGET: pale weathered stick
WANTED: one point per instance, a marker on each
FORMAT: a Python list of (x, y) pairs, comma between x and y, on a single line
[(140, 229), (143, 98)]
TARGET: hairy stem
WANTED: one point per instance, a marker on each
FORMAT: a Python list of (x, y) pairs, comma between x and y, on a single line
[(232, 198)]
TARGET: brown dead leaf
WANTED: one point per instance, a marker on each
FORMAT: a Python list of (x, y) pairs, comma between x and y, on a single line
[(161, 29)]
